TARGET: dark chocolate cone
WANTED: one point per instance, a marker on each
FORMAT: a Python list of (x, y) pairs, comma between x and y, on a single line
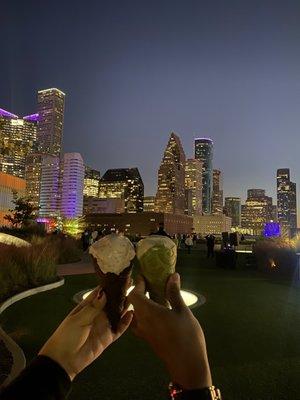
[(115, 287)]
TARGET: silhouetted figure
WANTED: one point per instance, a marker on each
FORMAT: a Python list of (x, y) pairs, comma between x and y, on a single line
[(210, 243), (161, 231), (85, 239)]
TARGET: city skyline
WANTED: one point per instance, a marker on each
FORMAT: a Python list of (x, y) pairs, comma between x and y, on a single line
[(234, 79), (35, 118)]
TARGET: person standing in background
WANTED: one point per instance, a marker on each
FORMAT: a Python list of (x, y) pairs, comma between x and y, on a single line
[(210, 243), (189, 243)]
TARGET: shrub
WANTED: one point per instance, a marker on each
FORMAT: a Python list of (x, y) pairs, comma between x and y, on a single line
[(24, 267), (13, 277), (68, 248), (27, 232)]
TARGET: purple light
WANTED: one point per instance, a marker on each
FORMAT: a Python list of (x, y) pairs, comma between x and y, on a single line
[(43, 220), (4, 113), (272, 229), (32, 117), (204, 138)]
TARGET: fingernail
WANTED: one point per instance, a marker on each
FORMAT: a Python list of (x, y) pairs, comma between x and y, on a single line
[(176, 278)]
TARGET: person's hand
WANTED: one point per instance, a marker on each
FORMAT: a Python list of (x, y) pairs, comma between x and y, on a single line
[(174, 334), (83, 335)]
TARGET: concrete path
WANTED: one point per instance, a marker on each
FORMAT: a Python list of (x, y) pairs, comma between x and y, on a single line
[(84, 266)]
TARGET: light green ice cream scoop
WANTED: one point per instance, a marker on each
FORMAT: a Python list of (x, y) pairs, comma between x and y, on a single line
[(157, 257)]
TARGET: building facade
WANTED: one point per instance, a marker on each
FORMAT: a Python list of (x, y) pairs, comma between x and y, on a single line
[(204, 153), (170, 196), (11, 187), (233, 210), (211, 224), (72, 179), (286, 201), (17, 140), (33, 173), (91, 182), (95, 205), (123, 183), (217, 196), (51, 106), (149, 203), (142, 223), (193, 186), (257, 211), (49, 196)]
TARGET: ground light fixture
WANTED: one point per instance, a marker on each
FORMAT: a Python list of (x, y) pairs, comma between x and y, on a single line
[(190, 298)]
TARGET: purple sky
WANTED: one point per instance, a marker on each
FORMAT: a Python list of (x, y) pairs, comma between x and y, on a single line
[(135, 70)]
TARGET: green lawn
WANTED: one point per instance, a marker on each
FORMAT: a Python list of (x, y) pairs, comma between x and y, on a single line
[(252, 328)]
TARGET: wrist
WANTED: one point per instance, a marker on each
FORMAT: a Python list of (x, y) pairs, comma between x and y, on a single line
[(61, 363), (209, 393), (194, 377)]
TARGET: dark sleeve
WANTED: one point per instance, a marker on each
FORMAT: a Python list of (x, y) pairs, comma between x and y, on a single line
[(43, 379)]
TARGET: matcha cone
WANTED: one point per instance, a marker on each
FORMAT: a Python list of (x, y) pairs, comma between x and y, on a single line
[(112, 256), (157, 257)]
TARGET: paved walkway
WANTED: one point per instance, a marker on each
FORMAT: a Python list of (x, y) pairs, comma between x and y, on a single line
[(84, 266)]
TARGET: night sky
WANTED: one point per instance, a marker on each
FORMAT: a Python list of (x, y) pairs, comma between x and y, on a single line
[(134, 71)]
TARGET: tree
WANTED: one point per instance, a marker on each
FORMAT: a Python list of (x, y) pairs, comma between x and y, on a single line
[(23, 212)]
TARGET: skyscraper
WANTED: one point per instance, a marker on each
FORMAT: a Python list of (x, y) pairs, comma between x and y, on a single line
[(149, 203), (204, 153), (233, 210), (71, 203), (170, 196), (91, 182), (193, 185), (51, 105), (17, 140), (293, 208), (286, 201), (49, 186), (123, 183), (33, 173), (257, 211), (217, 197)]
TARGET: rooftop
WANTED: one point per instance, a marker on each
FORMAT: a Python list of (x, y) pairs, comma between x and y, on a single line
[(204, 139), (52, 89), (7, 114), (32, 117)]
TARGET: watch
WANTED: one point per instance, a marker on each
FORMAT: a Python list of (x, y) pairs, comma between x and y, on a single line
[(209, 393)]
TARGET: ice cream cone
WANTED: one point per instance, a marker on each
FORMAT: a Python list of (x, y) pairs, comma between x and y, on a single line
[(157, 258), (112, 258), (115, 288)]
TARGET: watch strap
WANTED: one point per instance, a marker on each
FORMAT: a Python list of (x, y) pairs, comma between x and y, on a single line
[(209, 393)]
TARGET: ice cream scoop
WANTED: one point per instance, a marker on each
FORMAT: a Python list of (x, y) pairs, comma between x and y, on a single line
[(112, 257), (157, 257)]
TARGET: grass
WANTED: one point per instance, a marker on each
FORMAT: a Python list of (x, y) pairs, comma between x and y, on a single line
[(251, 324)]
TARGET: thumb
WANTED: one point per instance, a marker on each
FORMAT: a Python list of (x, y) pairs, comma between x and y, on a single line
[(88, 313), (140, 286), (137, 296), (173, 293)]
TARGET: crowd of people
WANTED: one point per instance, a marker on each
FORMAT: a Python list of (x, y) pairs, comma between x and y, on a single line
[(183, 241)]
